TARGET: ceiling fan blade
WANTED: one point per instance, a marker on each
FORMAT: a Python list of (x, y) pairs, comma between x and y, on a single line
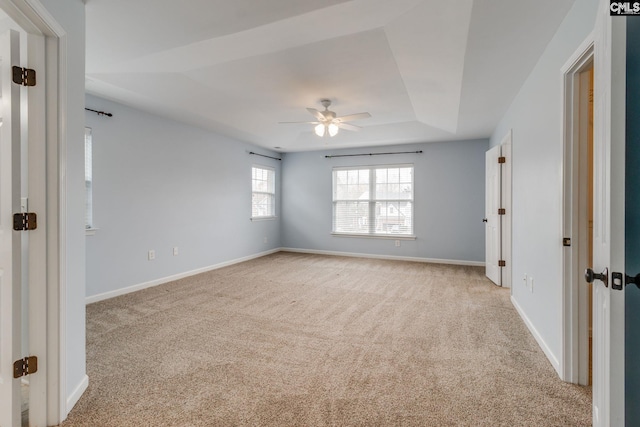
[(348, 126), (287, 123), (317, 114), (352, 117)]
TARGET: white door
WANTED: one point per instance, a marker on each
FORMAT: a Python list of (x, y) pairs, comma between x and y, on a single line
[(491, 218), (10, 241), (608, 215)]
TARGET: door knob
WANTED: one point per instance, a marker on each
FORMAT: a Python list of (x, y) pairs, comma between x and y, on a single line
[(590, 276), (632, 280)]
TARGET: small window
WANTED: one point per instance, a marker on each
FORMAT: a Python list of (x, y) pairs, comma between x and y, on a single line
[(88, 179), (373, 200), (263, 192)]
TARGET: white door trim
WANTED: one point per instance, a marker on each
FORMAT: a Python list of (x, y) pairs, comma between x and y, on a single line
[(33, 17), (505, 197), (12, 243), (573, 369)]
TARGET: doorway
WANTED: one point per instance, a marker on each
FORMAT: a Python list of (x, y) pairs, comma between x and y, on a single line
[(578, 233)]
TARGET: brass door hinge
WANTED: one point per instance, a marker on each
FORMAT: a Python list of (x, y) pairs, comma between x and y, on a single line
[(502, 211), (25, 221), (24, 76), (502, 159), (502, 263), (26, 366)]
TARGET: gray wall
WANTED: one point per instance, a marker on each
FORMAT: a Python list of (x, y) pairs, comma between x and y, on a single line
[(160, 184), (536, 119), (448, 210)]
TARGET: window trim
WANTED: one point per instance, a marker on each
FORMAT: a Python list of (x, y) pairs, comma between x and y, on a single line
[(264, 217), (372, 201)]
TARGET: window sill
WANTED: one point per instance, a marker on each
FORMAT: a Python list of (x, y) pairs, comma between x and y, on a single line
[(263, 218), (90, 231), (377, 236)]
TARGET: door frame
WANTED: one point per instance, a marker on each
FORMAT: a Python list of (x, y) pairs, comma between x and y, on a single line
[(12, 274), (505, 201), (47, 197), (575, 302)]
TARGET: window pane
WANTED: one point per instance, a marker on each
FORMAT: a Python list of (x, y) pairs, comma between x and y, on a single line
[(351, 185), (262, 205), (351, 217), (394, 217)]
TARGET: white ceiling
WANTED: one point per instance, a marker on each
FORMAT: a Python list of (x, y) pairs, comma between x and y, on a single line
[(426, 70)]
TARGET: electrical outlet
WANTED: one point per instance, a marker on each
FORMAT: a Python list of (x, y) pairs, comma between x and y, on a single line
[(397, 243), (175, 251), (152, 255), (525, 280)]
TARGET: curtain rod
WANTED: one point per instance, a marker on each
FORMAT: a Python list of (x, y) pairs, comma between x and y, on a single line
[(100, 113), (373, 154), (262, 155)]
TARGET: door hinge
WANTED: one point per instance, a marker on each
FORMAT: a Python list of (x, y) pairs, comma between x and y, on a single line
[(502, 159), (502, 211), (502, 263), (566, 241), (26, 366), (24, 76), (25, 221)]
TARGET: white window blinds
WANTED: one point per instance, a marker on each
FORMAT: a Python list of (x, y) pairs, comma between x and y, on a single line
[(373, 200)]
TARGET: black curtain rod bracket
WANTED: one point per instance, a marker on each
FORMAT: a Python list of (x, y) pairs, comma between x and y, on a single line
[(100, 113), (262, 155), (373, 154)]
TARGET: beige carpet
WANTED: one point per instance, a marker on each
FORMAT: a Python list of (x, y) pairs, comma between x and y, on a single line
[(306, 340)]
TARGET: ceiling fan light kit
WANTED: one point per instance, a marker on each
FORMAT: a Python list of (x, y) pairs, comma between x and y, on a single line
[(328, 123)]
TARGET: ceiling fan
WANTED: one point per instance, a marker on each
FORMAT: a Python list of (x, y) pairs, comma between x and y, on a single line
[(327, 122)]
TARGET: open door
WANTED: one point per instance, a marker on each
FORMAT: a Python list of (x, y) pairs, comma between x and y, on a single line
[(10, 240), (497, 217), (608, 217), (632, 228), (492, 219)]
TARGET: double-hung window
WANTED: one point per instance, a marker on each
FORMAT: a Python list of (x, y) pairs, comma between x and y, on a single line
[(88, 179), (373, 200), (263, 192)]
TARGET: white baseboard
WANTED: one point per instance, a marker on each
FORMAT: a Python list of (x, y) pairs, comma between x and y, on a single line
[(156, 282), (73, 398), (389, 257), (543, 345)]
